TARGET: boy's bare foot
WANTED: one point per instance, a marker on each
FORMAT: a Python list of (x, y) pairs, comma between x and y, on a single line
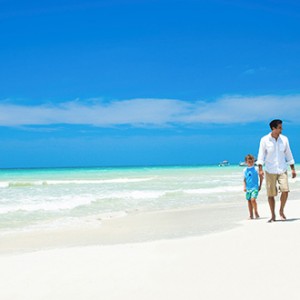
[(272, 220), (250, 218), (256, 216)]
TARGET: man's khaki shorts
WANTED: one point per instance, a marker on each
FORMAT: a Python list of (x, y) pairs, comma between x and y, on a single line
[(271, 183)]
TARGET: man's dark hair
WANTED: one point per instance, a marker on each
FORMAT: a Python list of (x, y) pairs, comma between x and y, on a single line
[(275, 123)]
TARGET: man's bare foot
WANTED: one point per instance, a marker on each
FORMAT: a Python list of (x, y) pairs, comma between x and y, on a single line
[(282, 217), (272, 220)]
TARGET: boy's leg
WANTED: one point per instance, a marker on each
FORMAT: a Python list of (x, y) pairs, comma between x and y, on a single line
[(254, 205), (250, 207)]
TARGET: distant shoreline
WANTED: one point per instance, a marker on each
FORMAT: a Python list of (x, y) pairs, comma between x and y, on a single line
[(235, 164)]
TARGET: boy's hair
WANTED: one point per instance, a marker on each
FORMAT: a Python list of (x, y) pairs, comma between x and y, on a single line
[(275, 123), (250, 157)]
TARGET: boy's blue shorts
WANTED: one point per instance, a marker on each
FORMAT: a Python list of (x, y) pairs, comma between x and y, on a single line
[(251, 194)]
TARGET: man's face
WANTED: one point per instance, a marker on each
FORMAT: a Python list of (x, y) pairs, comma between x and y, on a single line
[(278, 130)]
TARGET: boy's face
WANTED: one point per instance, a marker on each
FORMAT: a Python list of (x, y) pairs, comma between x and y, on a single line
[(250, 162)]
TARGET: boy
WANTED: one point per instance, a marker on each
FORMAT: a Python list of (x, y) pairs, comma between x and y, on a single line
[(252, 185)]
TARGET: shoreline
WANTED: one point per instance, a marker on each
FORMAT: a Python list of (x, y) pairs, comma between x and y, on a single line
[(255, 260), (137, 227)]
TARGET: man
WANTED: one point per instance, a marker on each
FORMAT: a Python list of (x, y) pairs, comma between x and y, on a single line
[(275, 153)]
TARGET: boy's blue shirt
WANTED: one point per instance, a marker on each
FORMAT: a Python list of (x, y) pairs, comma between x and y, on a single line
[(251, 177)]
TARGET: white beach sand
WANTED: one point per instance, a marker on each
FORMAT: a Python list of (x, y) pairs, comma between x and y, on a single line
[(256, 260)]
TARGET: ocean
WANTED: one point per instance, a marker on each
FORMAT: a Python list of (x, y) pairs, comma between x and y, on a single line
[(50, 198)]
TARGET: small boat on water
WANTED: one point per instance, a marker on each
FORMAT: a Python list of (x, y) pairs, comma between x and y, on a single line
[(224, 163)]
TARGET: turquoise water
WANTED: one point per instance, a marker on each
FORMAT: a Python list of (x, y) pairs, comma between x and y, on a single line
[(52, 197)]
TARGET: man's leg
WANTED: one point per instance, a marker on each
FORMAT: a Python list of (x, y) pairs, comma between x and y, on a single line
[(271, 180), (284, 188), (272, 208), (283, 199)]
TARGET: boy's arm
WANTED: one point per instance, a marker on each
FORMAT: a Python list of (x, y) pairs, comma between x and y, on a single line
[(245, 185)]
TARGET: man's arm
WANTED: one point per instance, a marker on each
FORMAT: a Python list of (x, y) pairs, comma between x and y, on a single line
[(288, 154), (261, 176), (261, 172), (290, 159), (294, 174), (261, 155)]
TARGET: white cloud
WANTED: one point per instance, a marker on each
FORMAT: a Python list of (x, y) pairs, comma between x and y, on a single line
[(249, 72), (241, 109), (157, 112)]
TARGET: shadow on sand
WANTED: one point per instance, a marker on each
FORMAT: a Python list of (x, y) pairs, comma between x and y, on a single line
[(289, 220)]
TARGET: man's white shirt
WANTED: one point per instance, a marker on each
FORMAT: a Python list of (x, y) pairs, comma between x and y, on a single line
[(275, 154)]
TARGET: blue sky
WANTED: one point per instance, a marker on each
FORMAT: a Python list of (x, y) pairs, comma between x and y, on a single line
[(103, 83)]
